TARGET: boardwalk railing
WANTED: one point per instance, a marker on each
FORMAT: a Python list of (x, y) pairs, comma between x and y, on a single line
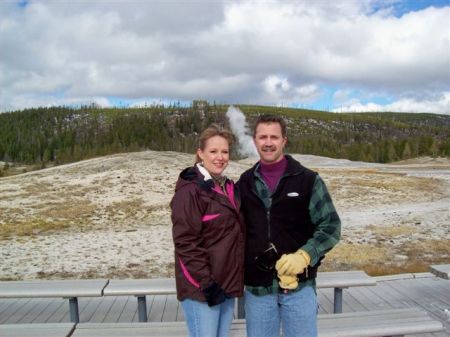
[(73, 289)]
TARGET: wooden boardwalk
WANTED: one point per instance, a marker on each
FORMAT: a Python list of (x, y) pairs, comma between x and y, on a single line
[(397, 291)]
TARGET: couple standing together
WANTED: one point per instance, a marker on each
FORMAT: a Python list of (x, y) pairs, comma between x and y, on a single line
[(269, 231)]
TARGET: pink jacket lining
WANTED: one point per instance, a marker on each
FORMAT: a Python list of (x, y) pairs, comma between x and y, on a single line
[(208, 217), (187, 275)]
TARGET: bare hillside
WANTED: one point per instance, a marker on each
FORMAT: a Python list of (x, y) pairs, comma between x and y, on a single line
[(109, 216)]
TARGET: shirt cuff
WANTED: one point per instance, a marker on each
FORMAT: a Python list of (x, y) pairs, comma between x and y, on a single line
[(312, 252)]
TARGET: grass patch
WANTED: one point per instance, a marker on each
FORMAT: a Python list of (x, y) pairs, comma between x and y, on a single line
[(349, 184), (29, 227), (125, 208), (138, 271), (411, 257), (75, 191), (38, 188), (391, 232), (74, 210), (353, 256)]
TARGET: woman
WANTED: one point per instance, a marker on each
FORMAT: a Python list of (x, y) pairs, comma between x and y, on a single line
[(208, 234)]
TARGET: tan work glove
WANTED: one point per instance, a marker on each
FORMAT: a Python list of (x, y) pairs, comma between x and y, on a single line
[(293, 264), (288, 281)]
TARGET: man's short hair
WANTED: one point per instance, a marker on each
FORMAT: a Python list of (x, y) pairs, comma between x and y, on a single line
[(271, 119)]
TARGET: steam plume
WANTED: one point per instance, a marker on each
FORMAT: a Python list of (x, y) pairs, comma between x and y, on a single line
[(246, 147)]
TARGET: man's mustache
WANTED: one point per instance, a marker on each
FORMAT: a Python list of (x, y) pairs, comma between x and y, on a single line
[(268, 148)]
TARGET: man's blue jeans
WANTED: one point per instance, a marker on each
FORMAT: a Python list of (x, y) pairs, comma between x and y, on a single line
[(205, 321), (295, 311)]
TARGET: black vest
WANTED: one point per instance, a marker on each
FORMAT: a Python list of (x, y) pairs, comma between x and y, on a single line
[(287, 224)]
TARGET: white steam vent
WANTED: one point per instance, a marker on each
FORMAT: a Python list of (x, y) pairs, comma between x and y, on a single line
[(239, 127)]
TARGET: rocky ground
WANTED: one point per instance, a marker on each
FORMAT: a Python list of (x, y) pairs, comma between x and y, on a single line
[(109, 216)]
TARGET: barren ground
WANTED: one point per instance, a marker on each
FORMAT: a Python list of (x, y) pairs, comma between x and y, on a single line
[(109, 216)]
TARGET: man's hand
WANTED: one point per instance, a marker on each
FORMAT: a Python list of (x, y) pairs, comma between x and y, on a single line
[(288, 281), (293, 264)]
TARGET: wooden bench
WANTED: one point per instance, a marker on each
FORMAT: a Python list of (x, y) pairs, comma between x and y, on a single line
[(37, 329), (441, 270), (340, 280), (141, 287), (380, 323), (71, 289)]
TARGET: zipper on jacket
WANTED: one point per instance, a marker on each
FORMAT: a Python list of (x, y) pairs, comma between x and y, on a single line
[(269, 236)]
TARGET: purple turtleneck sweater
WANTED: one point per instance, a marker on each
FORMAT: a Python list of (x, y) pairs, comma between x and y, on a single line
[(271, 173)]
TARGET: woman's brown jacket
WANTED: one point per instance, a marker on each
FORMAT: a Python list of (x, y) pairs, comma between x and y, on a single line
[(208, 233)]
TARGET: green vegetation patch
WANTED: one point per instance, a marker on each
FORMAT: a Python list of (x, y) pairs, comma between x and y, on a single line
[(45, 137)]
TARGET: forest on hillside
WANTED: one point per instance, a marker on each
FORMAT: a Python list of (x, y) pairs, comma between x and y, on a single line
[(58, 135)]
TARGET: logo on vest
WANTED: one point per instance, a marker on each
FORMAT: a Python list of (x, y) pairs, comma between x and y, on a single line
[(293, 194)]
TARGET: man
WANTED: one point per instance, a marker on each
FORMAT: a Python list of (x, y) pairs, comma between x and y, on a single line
[(291, 223)]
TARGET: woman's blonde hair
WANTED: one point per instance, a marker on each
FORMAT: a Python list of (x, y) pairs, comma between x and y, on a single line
[(212, 131)]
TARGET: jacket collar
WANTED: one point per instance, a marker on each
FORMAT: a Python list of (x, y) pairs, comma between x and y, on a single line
[(222, 181)]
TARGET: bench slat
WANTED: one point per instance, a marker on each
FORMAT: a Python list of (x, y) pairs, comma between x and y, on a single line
[(155, 329), (441, 270), (52, 288), (344, 279), (140, 287), (166, 286), (359, 324), (37, 329)]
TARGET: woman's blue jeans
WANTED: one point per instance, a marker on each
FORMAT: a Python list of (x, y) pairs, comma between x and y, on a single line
[(295, 311), (205, 321)]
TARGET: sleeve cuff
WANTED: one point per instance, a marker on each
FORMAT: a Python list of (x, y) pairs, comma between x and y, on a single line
[(312, 252)]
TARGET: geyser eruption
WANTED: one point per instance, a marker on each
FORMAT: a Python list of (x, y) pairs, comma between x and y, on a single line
[(238, 124)]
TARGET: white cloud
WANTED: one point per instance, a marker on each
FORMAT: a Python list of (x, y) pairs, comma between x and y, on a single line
[(276, 85), (440, 104), (308, 92), (227, 51), (279, 89)]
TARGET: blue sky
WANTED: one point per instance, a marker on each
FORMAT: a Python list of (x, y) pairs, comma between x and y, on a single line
[(402, 7), (345, 55)]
